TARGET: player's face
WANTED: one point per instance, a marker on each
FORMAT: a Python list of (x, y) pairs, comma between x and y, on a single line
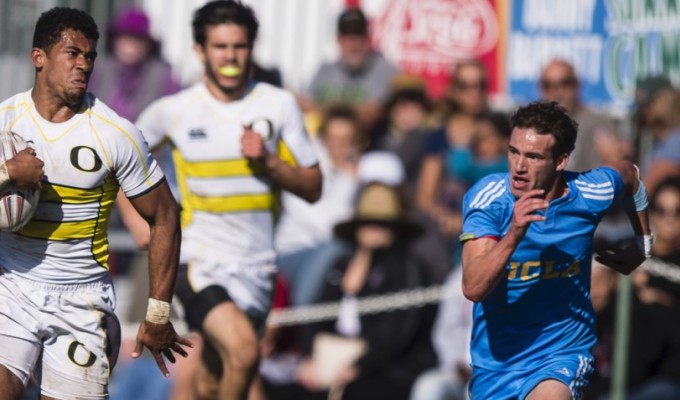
[(65, 70), (531, 162), (226, 56)]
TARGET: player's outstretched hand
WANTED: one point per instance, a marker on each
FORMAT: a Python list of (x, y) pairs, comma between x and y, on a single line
[(624, 261), (525, 210), (160, 339), (25, 169)]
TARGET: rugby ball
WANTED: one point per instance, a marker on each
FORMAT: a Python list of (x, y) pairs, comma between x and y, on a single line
[(16, 205)]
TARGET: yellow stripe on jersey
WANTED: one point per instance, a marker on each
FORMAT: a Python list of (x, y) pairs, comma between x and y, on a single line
[(216, 169), (69, 195), (100, 241), (286, 155), (224, 204), (94, 229), (60, 230)]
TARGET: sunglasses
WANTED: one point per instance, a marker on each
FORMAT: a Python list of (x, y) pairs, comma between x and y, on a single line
[(558, 84), (464, 86), (666, 212)]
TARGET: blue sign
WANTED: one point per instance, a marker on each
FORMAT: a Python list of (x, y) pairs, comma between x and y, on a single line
[(611, 43)]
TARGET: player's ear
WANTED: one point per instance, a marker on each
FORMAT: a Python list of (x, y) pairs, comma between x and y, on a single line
[(38, 57), (562, 162), (200, 52)]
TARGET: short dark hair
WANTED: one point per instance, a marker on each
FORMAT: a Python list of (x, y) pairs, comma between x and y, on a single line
[(548, 118), (224, 12), (53, 22)]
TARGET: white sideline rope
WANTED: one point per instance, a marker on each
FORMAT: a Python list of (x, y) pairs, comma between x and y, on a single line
[(662, 269), (404, 299), (400, 300)]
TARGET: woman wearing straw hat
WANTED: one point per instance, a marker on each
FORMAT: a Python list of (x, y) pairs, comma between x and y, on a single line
[(381, 234)]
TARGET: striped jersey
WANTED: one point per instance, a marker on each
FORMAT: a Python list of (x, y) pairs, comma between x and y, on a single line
[(542, 306), (228, 205), (87, 159)]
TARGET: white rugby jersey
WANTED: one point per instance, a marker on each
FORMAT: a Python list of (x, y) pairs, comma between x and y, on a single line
[(228, 207), (87, 159)]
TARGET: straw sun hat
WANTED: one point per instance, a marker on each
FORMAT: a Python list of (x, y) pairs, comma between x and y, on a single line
[(379, 204)]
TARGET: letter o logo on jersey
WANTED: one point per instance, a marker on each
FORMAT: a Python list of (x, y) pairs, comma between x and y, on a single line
[(73, 349), (263, 127), (85, 159)]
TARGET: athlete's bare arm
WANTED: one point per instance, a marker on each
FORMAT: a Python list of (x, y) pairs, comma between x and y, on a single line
[(629, 258), (159, 208), (484, 259), (303, 182), (23, 170)]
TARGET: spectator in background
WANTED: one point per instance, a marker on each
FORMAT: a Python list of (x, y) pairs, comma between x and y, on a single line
[(645, 90), (654, 347), (439, 192), (131, 74), (361, 76), (405, 125), (304, 234), (452, 165), (662, 118), (597, 142), (467, 92), (659, 277), (398, 341)]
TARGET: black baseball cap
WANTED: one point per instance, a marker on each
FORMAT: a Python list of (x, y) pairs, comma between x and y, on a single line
[(352, 21)]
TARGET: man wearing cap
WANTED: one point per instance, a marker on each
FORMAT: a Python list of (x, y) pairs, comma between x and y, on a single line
[(361, 76)]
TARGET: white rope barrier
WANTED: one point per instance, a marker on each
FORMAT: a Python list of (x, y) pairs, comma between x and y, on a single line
[(404, 299)]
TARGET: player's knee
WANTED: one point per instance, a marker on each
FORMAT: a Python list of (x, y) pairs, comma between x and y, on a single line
[(245, 358)]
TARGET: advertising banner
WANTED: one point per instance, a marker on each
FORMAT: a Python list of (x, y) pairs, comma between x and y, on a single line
[(611, 43)]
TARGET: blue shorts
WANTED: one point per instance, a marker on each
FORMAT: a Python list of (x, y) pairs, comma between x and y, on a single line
[(574, 371)]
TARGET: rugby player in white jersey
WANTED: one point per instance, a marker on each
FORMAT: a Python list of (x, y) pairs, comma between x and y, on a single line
[(235, 143), (56, 297)]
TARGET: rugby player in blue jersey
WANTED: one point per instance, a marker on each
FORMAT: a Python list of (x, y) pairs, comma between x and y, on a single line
[(527, 250)]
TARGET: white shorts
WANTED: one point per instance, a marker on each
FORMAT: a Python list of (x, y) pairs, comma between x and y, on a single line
[(251, 288), (71, 328)]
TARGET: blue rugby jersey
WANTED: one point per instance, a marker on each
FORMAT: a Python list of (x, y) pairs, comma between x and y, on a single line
[(542, 307)]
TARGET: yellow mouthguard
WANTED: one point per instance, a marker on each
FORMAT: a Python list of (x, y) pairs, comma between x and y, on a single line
[(229, 71)]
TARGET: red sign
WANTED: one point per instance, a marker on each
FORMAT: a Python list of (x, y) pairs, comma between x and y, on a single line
[(428, 37)]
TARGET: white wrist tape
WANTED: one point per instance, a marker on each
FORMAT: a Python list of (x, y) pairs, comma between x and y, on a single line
[(158, 311), (644, 243), (4, 175)]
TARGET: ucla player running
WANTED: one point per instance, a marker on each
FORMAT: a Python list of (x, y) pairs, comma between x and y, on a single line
[(527, 253)]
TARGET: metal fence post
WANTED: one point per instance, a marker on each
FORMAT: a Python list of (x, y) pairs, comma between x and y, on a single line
[(621, 338)]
